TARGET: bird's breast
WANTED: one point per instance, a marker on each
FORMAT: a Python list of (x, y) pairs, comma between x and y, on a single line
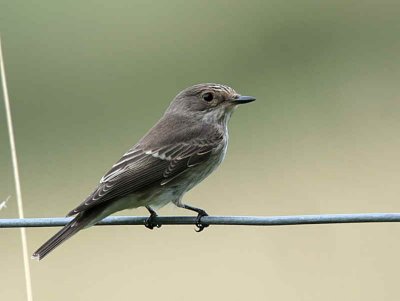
[(198, 173)]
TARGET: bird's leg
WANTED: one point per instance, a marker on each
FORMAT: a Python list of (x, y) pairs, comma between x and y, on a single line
[(150, 223), (200, 213)]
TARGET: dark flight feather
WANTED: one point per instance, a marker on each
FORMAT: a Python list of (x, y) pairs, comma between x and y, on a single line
[(66, 232), (81, 221), (149, 163)]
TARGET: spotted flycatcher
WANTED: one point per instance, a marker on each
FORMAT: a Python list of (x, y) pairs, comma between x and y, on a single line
[(182, 149)]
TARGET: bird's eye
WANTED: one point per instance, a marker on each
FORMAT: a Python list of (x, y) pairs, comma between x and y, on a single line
[(208, 96)]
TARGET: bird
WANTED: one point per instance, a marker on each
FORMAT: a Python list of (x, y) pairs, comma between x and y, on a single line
[(185, 146)]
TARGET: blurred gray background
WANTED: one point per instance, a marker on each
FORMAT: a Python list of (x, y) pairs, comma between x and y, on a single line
[(88, 78)]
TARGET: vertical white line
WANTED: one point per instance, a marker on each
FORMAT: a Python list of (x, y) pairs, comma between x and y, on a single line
[(16, 177)]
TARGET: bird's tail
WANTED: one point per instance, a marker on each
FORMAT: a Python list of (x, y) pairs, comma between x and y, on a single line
[(77, 224)]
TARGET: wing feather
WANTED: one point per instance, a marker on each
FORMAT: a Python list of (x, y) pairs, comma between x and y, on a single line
[(142, 167)]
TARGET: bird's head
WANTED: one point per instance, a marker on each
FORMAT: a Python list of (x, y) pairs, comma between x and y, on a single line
[(209, 102)]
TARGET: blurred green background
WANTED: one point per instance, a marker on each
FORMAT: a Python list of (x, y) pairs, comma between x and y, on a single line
[(88, 78)]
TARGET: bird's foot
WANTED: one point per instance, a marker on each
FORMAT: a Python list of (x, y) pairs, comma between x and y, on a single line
[(199, 224), (150, 222)]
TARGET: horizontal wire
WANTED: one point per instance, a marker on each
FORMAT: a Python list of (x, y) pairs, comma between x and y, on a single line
[(215, 220)]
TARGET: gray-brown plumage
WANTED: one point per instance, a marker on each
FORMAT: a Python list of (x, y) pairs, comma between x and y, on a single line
[(183, 148)]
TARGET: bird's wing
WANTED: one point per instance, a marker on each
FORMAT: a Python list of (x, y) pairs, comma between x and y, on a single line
[(144, 166)]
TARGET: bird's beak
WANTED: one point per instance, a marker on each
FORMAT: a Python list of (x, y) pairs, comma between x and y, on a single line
[(242, 99)]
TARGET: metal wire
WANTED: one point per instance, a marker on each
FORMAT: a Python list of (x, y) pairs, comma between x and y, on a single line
[(216, 220)]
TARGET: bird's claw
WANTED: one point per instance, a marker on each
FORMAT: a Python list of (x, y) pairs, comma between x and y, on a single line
[(199, 224), (150, 222)]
